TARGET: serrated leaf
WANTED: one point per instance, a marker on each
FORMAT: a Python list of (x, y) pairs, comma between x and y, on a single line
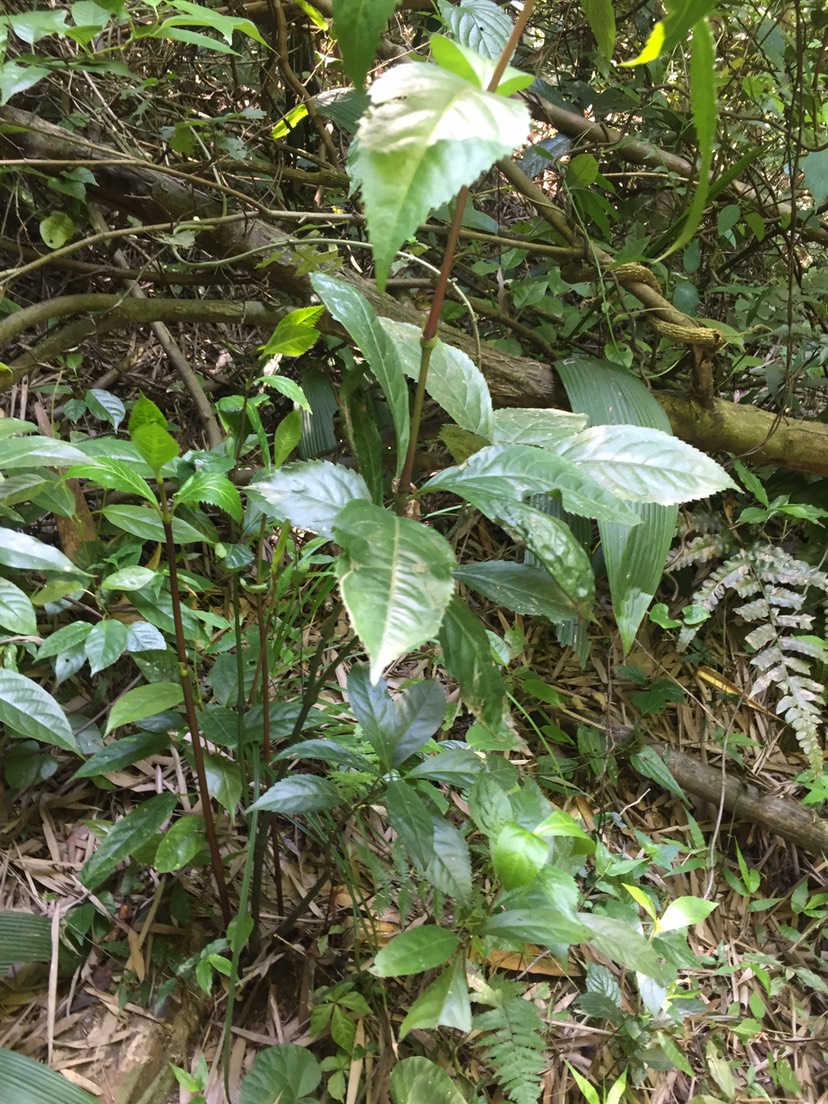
[(427, 134), (518, 587), (395, 579), (214, 488), (64, 639), (445, 1003), (352, 309), (127, 836), (105, 644), (144, 701), (473, 67), (28, 1082), (155, 444), (17, 614), (468, 658), (358, 25), (454, 380), (26, 709), (115, 475), (530, 426), (144, 413), (299, 793), (311, 493), (415, 951), (295, 334)]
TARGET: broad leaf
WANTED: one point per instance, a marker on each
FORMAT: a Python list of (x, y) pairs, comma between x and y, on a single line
[(427, 134), (518, 855), (415, 951), (17, 614), (682, 16), (106, 406), (358, 25), (327, 751), (144, 413), (684, 911), (180, 844), (144, 701), (531, 426), (115, 475), (105, 644), (473, 67), (479, 24), (515, 471), (213, 488), (352, 309), (646, 465), (445, 1003), (123, 753), (454, 380), (311, 493), (34, 452), (295, 334), (28, 1082), (127, 836), (146, 523), (299, 793), (155, 444), (64, 639), (449, 869), (287, 1072), (26, 709), (411, 820), (518, 587), (395, 578), (128, 578), (395, 728), (467, 657), (417, 1080), (546, 926), (601, 18), (622, 943), (25, 552)]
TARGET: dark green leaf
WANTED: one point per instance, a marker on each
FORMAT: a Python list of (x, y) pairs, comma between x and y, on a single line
[(310, 493), (26, 709), (127, 836), (468, 658), (144, 701), (288, 1073), (358, 25), (123, 753), (415, 951), (445, 1003), (299, 793)]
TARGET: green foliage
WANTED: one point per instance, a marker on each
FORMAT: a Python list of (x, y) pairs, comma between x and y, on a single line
[(512, 1038)]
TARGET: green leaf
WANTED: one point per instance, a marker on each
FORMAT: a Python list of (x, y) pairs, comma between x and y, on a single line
[(489, 805), (328, 751), (28, 1082), (311, 493), (214, 488), (454, 380), (415, 951), (358, 25), (147, 524), (478, 24), (426, 134), (467, 657), (64, 639), (449, 868), (145, 413), (30, 27), (26, 709), (287, 436), (530, 426), (512, 472), (601, 18), (548, 927), (352, 309), (155, 445), (815, 175), (560, 823), (648, 762), (473, 67), (196, 15), (684, 911), (38, 452), (518, 855), (299, 793), (115, 475), (123, 753), (295, 335), (24, 937), (412, 822), (288, 1073), (180, 844), (395, 579), (645, 464), (518, 587), (287, 387), (682, 16), (105, 644), (129, 578), (395, 729), (445, 1003), (622, 943), (17, 614), (127, 836), (21, 550), (224, 782), (16, 78), (106, 406), (417, 1080), (144, 701), (56, 229)]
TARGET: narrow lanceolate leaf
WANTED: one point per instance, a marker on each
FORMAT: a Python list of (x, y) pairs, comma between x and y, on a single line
[(17, 614), (415, 951), (213, 488), (515, 471), (21, 550), (454, 380), (311, 493), (601, 18), (395, 578), (358, 25), (26, 709), (144, 701), (468, 658), (427, 134), (352, 309), (645, 465), (125, 837)]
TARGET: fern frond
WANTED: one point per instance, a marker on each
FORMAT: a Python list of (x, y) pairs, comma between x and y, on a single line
[(513, 1041)]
